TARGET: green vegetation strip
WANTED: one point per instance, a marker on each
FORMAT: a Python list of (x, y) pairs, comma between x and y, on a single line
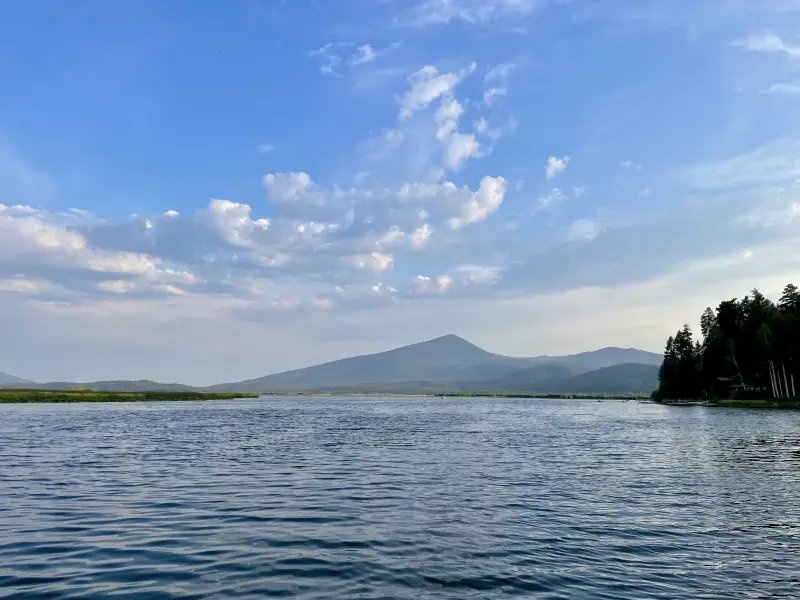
[(52, 396)]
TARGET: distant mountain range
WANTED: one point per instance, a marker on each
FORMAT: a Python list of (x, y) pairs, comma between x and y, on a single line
[(447, 364), (9, 380)]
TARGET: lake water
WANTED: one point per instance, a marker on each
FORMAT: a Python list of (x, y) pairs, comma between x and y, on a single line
[(398, 498)]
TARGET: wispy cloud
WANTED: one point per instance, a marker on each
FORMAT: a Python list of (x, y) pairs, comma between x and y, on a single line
[(773, 164), (365, 54), (438, 12), (786, 89), (265, 148), (769, 42)]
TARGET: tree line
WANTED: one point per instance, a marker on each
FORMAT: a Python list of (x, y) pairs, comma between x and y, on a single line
[(748, 349)]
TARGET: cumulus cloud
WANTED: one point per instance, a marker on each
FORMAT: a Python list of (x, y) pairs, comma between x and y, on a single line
[(426, 86), (377, 261), (233, 222), (427, 285), (32, 243), (482, 203), (459, 148), (421, 236), (555, 166)]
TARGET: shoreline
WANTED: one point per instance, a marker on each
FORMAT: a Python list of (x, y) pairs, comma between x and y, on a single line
[(10, 396), (730, 403), (29, 396)]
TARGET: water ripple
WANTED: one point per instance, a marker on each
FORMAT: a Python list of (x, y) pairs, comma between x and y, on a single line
[(398, 498)]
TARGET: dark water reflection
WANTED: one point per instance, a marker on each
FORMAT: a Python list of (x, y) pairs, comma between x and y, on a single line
[(398, 498)]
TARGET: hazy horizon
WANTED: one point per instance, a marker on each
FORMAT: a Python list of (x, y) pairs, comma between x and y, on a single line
[(300, 366), (212, 192)]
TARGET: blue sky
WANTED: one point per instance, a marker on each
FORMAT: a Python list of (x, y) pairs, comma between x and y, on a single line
[(205, 191)]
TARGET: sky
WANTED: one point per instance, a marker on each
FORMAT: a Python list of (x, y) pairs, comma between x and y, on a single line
[(204, 192)]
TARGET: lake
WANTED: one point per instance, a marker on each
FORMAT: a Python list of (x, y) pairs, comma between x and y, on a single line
[(398, 498)]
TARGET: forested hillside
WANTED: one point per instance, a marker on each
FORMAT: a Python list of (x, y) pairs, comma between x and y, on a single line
[(749, 348)]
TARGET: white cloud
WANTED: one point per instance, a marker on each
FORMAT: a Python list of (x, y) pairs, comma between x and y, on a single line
[(377, 261), (426, 285), (459, 148), (549, 198), (232, 220), (428, 85), (265, 148), (287, 187), (382, 146), (421, 236), (482, 203), (330, 58), (477, 274), (773, 216), (494, 93), (447, 118), (172, 214), (426, 13), (769, 42), (25, 235), (29, 287), (556, 196), (584, 230), (786, 89), (629, 164), (365, 54), (555, 166), (772, 164), (117, 286), (499, 72), (36, 244), (391, 236)]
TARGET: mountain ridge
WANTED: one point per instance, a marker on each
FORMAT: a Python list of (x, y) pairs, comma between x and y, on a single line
[(7, 379), (449, 361), (446, 363)]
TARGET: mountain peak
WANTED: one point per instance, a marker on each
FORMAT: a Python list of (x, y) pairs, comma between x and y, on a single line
[(449, 338), (450, 342)]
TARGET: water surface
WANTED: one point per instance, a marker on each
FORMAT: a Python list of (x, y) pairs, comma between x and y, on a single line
[(398, 498)]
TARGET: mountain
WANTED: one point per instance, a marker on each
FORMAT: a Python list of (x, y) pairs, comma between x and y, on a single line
[(629, 378), (539, 378), (451, 364), (7, 380), (444, 365), (445, 359), (600, 359), (119, 386)]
